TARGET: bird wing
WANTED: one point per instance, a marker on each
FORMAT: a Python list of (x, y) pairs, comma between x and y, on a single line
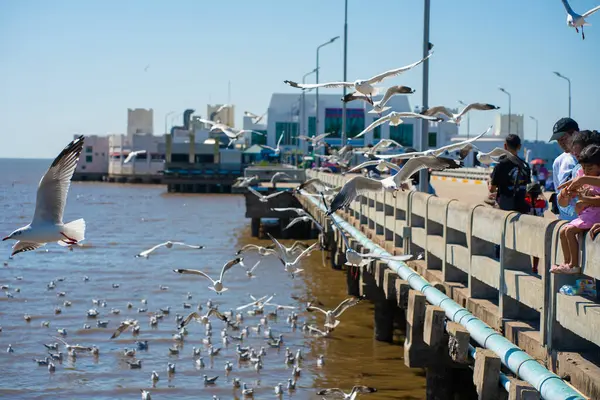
[(373, 125), (344, 305), (353, 188), (309, 182), (54, 185), (191, 246), (590, 12), (459, 145), (313, 308), (332, 392), (151, 249), (20, 247), (363, 389), (63, 342), (321, 137), (216, 313), (188, 319), (402, 258), (385, 143), (228, 266), (260, 196), (193, 272), (397, 71), (129, 157), (354, 96), (299, 211), (279, 141), (319, 85), (374, 162), (248, 247), (274, 195), (438, 110), (477, 106), (418, 163), (207, 121), (281, 251), (401, 156), (122, 328), (254, 267), (306, 252), (394, 90), (294, 222), (249, 114)]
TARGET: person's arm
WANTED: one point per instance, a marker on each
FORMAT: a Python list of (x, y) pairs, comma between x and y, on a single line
[(563, 198), (494, 178), (593, 201), (579, 181)]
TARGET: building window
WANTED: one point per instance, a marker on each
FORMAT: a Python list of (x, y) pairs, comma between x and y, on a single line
[(258, 139), (355, 121), (88, 159), (432, 139), (289, 130), (402, 134), (376, 131), (89, 149), (312, 126)]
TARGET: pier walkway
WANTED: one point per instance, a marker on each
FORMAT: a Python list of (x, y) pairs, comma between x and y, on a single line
[(512, 321)]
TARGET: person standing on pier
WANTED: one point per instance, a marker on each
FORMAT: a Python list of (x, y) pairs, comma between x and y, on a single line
[(562, 168), (509, 179)]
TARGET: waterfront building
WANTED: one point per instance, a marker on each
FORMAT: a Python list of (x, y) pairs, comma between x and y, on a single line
[(140, 120), (93, 163)]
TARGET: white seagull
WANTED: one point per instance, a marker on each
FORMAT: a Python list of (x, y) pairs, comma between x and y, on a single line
[(380, 164), (395, 118), (255, 118), (382, 144), (455, 118), (202, 319), (232, 133), (263, 251), (463, 147), (379, 106), (496, 154), (362, 86), (360, 184), (577, 21), (250, 271), (129, 323), (132, 155), (279, 176), (290, 263), (304, 218), (339, 393), (168, 244), (314, 140), (224, 106), (47, 223), (276, 150), (262, 198), (217, 285), (331, 316)]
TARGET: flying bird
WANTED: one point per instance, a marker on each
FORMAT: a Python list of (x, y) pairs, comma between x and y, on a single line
[(263, 251), (304, 218), (262, 198), (362, 86), (130, 323), (379, 106), (168, 244), (276, 150), (224, 106), (382, 144), (47, 223), (279, 176), (332, 316), (395, 118), (133, 155), (202, 319), (232, 133), (497, 154), (217, 285), (339, 393), (314, 140), (577, 21), (455, 118), (255, 118)]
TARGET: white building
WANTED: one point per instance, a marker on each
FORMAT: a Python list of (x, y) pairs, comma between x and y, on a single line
[(225, 116), (516, 125), (140, 120), (286, 111), (120, 146), (93, 162)]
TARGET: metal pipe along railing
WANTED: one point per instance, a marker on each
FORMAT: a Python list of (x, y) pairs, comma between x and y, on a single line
[(548, 384)]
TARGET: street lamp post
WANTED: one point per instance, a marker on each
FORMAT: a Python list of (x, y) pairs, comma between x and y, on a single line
[(303, 113), (468, 120), (167, 116), (509, 108), (536, 127), (569, 81), (317, 79), (423, 174), (344, 137)]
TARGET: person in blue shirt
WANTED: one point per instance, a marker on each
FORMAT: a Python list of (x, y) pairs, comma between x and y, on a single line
[(562, 168)]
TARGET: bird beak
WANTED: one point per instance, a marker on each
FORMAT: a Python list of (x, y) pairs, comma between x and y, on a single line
[(5, 238)]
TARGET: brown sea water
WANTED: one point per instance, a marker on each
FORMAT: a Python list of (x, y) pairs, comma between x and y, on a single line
[(123, 220)]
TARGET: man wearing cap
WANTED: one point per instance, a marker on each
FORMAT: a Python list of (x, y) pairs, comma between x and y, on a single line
[(563, 165)]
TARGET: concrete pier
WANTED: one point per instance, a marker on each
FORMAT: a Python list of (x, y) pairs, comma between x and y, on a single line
[(458, 242)]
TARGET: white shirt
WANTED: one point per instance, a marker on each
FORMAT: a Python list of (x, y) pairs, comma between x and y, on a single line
[(561, 168)]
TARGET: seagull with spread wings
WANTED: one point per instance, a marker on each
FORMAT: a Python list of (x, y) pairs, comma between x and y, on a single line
[(276, 150), (132, 155), (202, 319), (577, 21), (364, 86), (497, 154), (47, 224), (337, 392), (168, 244), (217, 285), (455, 118), (304, 218), (379, 106), (332, 316), (395, 118), (255, 118), (314, 140), (370, 152), (232, 133), (129, 323), (262, 198)]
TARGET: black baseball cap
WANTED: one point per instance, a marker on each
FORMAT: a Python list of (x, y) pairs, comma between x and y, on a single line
[(563, 126)]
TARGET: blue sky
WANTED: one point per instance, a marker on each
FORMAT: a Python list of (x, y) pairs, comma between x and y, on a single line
[(70, 66)]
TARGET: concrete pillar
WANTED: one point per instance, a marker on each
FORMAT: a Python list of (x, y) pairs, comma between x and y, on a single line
[(521, 390), (168, 147), (416, 352), (459, 342), (255, 226), (486, 374), (384, 320)]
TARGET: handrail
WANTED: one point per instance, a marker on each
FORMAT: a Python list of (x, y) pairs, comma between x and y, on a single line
[(548, 384)]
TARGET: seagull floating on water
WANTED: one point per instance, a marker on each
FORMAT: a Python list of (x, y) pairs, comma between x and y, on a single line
[(168, 244), (362, 86), (47, 223), (577, 21), (217, 285)]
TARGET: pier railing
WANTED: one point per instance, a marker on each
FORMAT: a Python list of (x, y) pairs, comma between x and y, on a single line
[(483, 257)]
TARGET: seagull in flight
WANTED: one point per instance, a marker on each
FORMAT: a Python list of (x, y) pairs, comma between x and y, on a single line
[(232, 133), (130, 323), (202, 319), (255, 118), (364, 86), (47, 223), (168, 244), (224, 106), (455, 118), (133, 155), (395, 118), (276, 150), (217, 286), (379, 106), (339, 393), (382, 144), (288, 259), (263, 251), (250, 271), (314, 140), (577, 21), (304, 218), (262, 198), (359, 184), (331, 316), (497, 154)]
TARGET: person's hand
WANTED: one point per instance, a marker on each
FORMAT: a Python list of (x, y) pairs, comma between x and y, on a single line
[(580, 206), (572, 185), (595, 230)]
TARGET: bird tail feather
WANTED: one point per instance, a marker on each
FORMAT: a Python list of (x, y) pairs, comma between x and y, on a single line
[(74, 230)]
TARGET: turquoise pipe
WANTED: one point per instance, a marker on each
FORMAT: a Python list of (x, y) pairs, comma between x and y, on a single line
[(548, 384)]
